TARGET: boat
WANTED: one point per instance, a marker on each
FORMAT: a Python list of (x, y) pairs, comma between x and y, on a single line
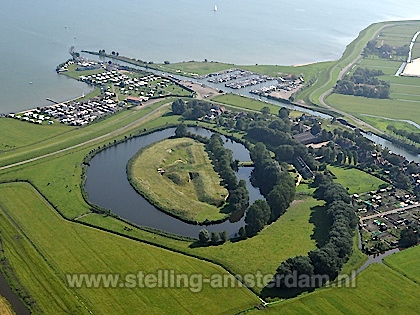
[(215, 8)]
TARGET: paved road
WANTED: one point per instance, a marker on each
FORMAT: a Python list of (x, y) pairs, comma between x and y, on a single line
[(88, 141), (340, 76), (389, 212)]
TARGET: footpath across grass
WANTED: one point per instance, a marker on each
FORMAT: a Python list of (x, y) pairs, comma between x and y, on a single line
[(43, 248)]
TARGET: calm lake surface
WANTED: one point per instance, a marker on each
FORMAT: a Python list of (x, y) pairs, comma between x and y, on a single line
[(35, 39), (108, 186)]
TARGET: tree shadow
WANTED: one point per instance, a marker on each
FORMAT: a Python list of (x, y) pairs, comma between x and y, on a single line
[(322, 223), (198, 244), (271, 291)]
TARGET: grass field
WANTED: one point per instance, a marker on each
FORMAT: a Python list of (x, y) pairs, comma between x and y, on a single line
[(382, 124), (5, 307), (190, 68), (43, 248), (16, 134), (406, 262), (356, 181), (395, 109), (295, 233), (189, 186), (379, 290)]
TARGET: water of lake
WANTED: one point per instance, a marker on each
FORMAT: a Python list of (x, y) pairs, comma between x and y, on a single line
[(35, 39)]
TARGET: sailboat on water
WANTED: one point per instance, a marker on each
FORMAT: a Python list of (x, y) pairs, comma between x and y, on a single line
[(215, 7)]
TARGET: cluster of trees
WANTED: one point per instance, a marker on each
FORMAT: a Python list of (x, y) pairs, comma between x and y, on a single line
[(363, 82), (325, 262), (190, 110), (413, 136), (276, 134), (225, 166), (409, 236), (276, 185), (214, 238), (385, 50)]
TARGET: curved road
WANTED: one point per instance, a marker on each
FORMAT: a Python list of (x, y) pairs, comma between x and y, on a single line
[(340, 76)]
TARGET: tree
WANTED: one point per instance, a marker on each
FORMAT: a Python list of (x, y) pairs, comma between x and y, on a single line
[(281, 196), (257, 217), (409, 237), (224, 236), (214, 237), (204, 236), (284, 113), (325, 261), (181, 131), (298, 268), (340, 157), (241, 124), (316, 128), (265, 110), (242, 232), (285, 152), (178, 107)]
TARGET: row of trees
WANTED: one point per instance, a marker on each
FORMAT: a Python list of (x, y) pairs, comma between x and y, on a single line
[(363, 82), (275, 185), (224, 164), (325, 262), (330, 154), (214, 238), (413, 136), (385, 50)]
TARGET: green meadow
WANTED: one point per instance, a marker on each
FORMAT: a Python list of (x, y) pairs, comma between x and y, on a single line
[(238, 102), (378, 290), (354, 180), (358, 105), (5, 307), (15, 134), (407, 263), (43, 248), (42, 245)]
